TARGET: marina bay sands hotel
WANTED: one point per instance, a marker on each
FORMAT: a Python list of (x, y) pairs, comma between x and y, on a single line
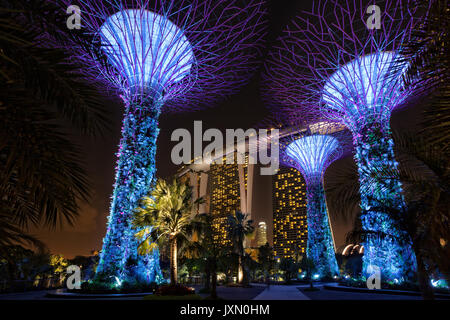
[(276, 203)]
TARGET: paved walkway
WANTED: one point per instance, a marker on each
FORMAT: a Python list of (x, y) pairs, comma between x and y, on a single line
[(276, 292)]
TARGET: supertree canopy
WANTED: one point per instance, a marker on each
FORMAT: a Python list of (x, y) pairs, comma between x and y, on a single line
[(172, 54), (311, 149), (346, 67), (161, 59)]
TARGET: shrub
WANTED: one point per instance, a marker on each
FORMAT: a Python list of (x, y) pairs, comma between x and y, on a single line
[(95, 287), (100, 287)]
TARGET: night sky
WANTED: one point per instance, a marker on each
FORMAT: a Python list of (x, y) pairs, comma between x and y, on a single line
[(242, 110)]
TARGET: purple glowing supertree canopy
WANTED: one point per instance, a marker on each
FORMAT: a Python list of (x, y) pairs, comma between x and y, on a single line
[(340, 62), (311, 148), (170, 55)]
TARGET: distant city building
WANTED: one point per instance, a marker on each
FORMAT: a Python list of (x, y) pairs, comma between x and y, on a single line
[(261, 236), (278, 201), (289, 213), (226, 188), (225, 198)]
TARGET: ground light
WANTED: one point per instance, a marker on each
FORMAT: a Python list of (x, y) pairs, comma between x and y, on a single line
[(333, 64), (169, 55), (311, 149)]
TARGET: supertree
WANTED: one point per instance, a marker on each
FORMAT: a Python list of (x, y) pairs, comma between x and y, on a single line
[(341, 62), (311, 147), (172, 54)]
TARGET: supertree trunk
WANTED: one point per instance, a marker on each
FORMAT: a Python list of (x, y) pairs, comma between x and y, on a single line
[(312, 154), (135, 172), (349, 72), (320, 242), (184, 54), (375, 157)]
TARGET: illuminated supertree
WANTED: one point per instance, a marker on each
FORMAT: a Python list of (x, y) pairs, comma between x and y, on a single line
[(345, 67), (311, 149), (172, 54)]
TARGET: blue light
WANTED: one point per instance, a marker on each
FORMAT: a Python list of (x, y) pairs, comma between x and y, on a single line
[(311, 153), (147, 49), (441, 283), (362, 95), (118, 282), (151, 54), (369, 85)]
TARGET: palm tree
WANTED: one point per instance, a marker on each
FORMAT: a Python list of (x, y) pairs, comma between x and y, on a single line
[(266, 260), (428, 58), (207, 249), (425, 219), (165, 216), (44, 95), (289, 267), (307, 264), (240, 227)]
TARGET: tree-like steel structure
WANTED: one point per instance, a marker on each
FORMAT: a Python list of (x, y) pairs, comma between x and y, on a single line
[(311, 148), (172, 54), (341, 62)]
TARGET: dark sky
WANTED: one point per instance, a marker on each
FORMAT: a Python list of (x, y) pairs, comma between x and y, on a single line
[(240, 111)]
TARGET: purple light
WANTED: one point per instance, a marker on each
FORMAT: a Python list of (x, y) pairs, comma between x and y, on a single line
[(149, 50), (162, 55), (312, 153), (330, 64)]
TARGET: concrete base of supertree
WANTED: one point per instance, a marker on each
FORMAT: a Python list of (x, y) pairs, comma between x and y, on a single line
[(320, 242), (386, 246), (135, 172)]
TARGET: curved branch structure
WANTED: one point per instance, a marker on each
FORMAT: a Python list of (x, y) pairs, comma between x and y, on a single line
[(311, 152), (345, 67), (167, 55)]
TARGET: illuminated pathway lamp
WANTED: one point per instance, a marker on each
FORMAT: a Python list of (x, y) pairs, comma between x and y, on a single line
[(342, 68), (172, 54)]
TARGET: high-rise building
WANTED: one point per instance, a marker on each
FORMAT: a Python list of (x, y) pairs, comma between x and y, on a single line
[(261, 237), (225, 198), (226, 189), (289, 213), (228, 194), (279, 201)]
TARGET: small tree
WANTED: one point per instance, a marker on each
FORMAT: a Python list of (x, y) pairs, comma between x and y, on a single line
[(240, 227), (307, 264), (205, 248), (289, 268), (165, 216), (266, 259)]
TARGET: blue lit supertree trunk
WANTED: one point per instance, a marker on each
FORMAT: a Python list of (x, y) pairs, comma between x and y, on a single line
[(320, 246), (170, 55), (340, 62), (134, 174), (311, 151)]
